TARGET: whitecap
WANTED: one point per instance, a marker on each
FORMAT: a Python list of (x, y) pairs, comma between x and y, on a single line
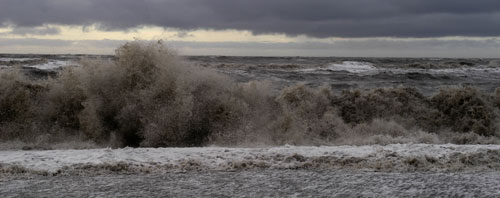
[(346, 66), (353, 67)]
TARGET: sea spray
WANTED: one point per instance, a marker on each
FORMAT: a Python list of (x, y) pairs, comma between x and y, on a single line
[(148, 96)]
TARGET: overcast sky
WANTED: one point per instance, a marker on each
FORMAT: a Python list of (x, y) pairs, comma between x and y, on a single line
[(449, 28)]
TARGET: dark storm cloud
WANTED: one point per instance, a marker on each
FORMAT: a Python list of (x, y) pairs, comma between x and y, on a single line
[(318, 18)]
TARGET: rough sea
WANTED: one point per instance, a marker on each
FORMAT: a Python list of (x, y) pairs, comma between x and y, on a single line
[(392, 170)]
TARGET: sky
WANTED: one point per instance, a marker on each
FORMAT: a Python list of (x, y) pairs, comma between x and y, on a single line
[(374, 28)]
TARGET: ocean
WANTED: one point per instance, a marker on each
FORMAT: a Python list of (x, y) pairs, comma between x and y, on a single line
[(247, 126)]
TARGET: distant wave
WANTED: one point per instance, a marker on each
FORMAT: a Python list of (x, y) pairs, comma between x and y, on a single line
[(52, 64), (353, 67), (17, 59), (346, 66), (366, 68)]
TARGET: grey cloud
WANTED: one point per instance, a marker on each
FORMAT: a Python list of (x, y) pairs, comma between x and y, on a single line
[(317, 18), (183, 34), (34, 31)]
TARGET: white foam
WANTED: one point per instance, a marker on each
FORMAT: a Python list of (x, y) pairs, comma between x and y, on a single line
[(346, 66), (217, 158), (353, 67)]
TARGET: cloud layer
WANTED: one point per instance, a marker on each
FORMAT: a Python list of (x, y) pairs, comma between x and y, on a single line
[(24, 31), (316, 18)]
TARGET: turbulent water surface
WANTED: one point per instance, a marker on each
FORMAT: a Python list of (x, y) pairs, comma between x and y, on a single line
[(267, 183), (427, 74)]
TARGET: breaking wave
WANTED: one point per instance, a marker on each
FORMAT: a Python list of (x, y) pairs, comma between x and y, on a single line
[(353, 67), (148, 96), (347, 66)]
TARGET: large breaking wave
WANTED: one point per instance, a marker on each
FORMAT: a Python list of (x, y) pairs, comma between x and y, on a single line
[(148, 96)]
